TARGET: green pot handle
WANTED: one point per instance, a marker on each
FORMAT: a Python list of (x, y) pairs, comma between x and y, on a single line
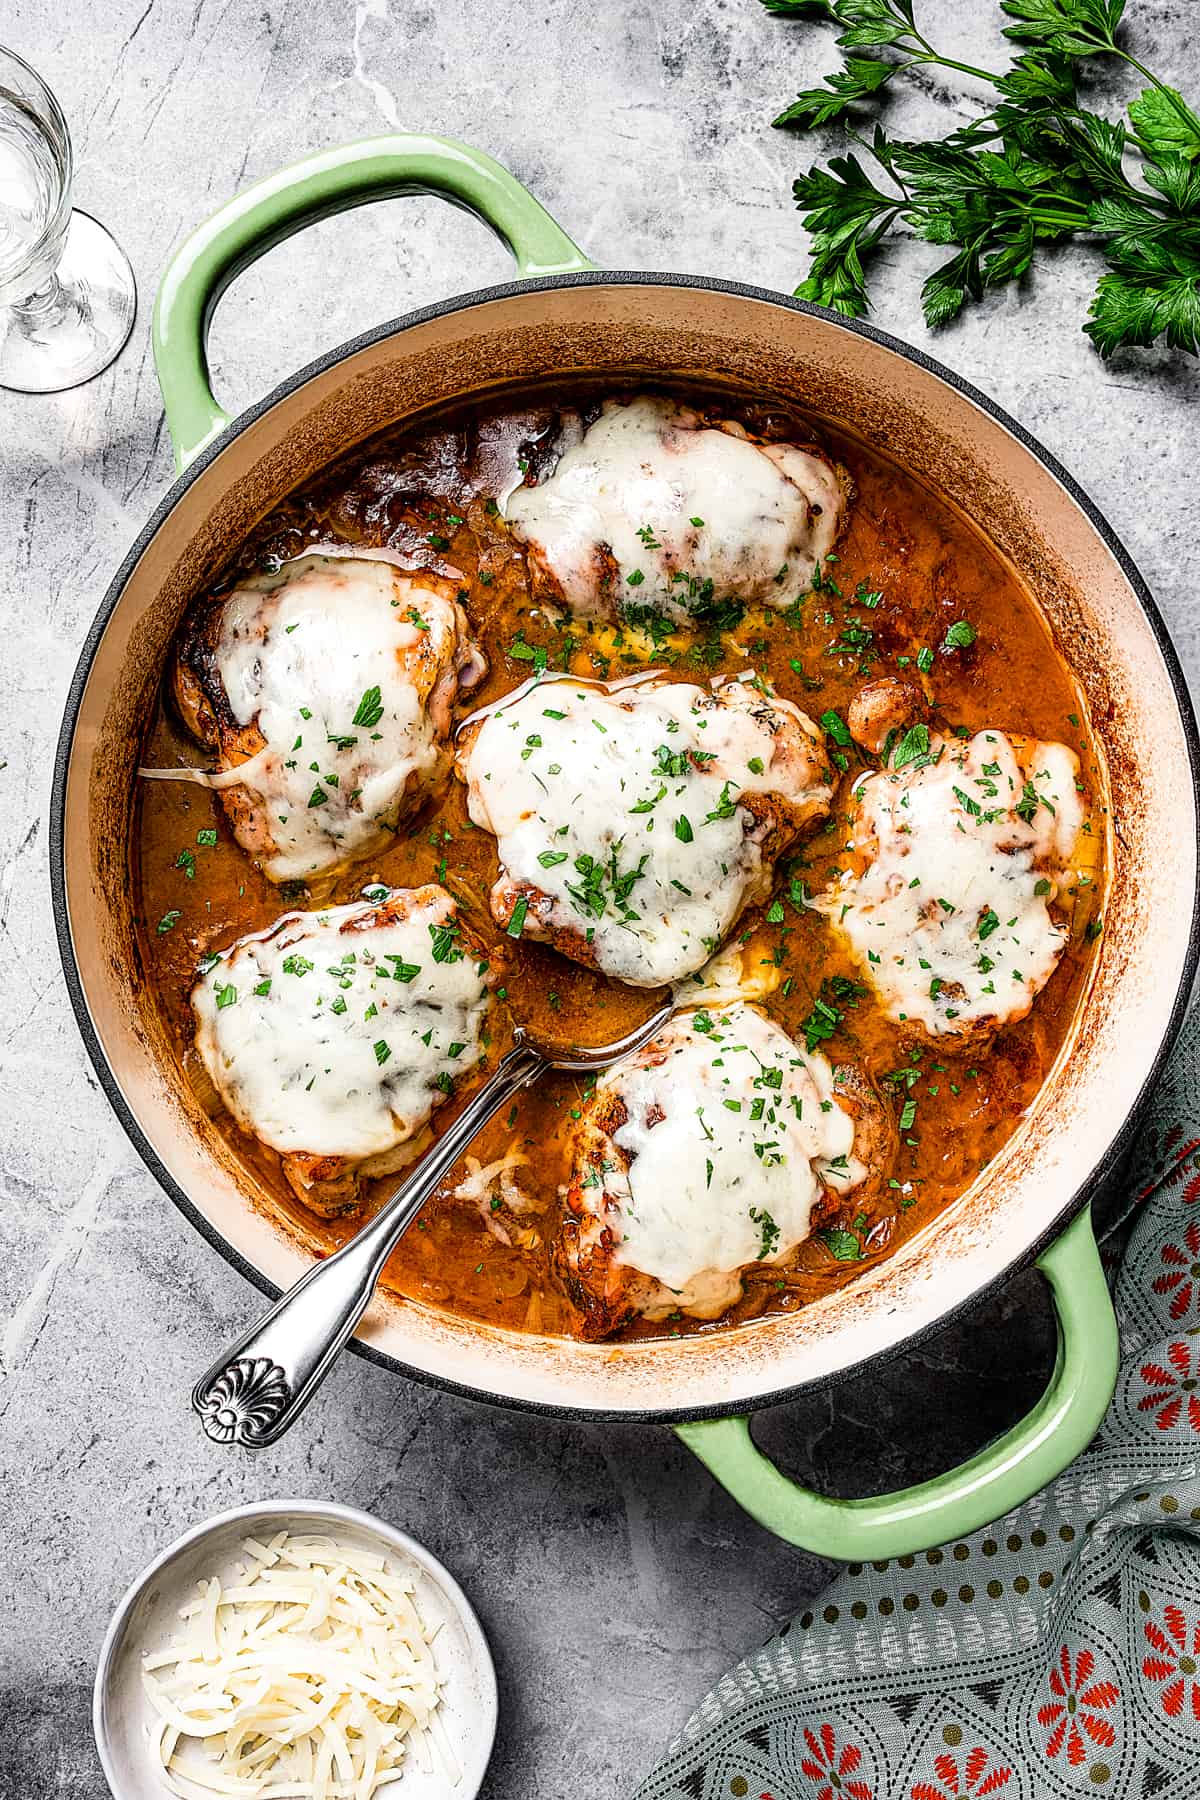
[(1002, 1476), (330, 182)]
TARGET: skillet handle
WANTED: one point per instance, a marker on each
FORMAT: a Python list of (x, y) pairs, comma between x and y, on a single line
[(1003, 1475), (330, 182)]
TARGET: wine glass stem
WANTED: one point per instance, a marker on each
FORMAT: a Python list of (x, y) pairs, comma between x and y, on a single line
[(45, 306)]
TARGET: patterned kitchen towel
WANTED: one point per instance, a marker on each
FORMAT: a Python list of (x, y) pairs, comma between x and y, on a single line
[(1055, 1654)]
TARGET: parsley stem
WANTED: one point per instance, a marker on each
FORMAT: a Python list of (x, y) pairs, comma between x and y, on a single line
[(950, 62), (928, 54), (1174, 100)]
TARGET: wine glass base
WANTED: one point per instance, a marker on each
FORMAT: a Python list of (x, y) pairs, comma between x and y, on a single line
[(73, 332)]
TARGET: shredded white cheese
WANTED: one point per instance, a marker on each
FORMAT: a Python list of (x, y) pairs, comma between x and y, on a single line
[(490, 1186), (306, 1678)]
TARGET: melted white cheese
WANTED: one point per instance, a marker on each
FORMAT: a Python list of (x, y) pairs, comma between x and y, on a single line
[(737, 972), (950, 916), (729, 1138), (326, 657), (340, 1042), (687, 512), (597, 804)]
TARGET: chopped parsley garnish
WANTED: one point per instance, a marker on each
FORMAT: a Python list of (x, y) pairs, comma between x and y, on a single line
[(1027, 805), (168, 922), (913, 748), (835, 726), (226, 996), (768, 1232), (370, 709), (820, 1024), (382, 1051), (672, 763), (842, 1245), (961, 635), (534, 653), (516, 923), (445, 946), (725, 808)]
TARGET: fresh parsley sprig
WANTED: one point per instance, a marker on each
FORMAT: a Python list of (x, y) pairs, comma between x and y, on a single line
[(1033, 168)]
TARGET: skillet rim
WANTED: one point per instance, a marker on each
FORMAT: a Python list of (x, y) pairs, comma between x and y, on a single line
[(1101, 1171)]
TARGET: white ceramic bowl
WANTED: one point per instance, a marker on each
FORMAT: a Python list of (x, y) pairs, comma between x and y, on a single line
[(146, 1617)]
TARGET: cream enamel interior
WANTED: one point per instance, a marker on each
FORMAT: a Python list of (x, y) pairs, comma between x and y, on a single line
[(650, 328)]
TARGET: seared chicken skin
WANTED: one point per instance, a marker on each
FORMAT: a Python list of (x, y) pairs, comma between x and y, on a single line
[(333, 1036), (652, 506), (707, 1152), (957, 850), (634, 822), (327, 692)]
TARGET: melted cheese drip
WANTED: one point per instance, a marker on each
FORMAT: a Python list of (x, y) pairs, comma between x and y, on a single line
[(299, 654), (710, 1187), (329, 1045), (571, 777), (632, 487), (946, 917)]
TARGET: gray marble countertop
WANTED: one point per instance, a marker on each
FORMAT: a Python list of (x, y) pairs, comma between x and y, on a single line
[(614, 1579)]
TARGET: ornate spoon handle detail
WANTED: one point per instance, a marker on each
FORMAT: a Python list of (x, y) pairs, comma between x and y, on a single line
[(262, 1384)]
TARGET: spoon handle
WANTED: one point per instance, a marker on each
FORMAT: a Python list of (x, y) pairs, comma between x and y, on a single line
[(256, 1391)]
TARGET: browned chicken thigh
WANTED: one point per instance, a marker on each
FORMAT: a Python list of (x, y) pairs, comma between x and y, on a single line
[(326, 691)]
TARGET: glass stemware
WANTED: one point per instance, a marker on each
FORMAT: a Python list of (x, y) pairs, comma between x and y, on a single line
[(67, 293)]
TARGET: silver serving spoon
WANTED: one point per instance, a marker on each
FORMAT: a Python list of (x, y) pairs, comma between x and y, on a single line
[(257, 1390)]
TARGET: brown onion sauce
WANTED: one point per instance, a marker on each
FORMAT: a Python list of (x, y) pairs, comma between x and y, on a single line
[(931, 568)]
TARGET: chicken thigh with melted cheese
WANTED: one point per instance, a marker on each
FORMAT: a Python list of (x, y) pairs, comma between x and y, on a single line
[(650, 506), (635, 822), (958, 849), (326, 691), (712, 1149), (333, 1035)]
